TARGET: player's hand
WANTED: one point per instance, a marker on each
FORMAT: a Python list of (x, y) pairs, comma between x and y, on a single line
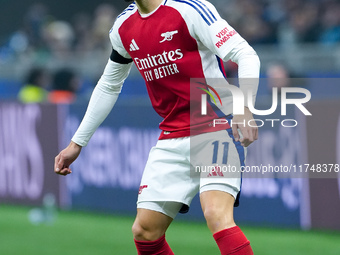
[(249, 133), (65, 158)]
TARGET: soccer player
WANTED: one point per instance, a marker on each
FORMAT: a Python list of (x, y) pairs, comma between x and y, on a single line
[(170, 42)]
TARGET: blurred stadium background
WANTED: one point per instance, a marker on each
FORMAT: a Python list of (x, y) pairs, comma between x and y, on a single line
[(90, 211)]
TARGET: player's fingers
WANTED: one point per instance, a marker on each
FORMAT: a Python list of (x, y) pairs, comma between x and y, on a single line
[(59, 163), (247, 138), (56, 161), (251, 137), (248, 141), (65, 171), (256, 134)]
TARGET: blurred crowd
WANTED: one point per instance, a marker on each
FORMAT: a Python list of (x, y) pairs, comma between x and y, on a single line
[(284, 22), (42, 86), (43, 36), (44, 39), (258, 21)]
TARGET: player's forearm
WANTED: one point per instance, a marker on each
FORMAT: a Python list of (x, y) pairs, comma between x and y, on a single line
[(248, 69), (248, 73), (102, 101), (100, 105)]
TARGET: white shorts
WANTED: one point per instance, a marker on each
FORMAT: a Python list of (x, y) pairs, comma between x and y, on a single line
[(178, 168)]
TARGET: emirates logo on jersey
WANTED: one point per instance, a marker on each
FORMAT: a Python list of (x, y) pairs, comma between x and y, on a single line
[(159, 59), (161, 65)]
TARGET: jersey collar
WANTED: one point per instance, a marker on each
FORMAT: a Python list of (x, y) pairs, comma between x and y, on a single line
[(149, 14)]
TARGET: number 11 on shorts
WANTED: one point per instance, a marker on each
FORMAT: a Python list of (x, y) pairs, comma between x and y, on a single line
[(225, 152)]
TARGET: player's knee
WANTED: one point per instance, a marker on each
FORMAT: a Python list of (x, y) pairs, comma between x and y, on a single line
[(145, 233), (212, 213), (139, 233), (218, 218)]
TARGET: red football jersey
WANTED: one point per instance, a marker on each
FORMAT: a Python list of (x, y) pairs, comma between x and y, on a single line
[(180, 41)]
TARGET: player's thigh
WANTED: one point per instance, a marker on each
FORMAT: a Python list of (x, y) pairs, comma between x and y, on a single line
[(217, 203), (218, 209)]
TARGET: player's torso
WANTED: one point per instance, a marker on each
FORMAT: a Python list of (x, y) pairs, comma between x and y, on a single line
[(167, 56), (160, 42)]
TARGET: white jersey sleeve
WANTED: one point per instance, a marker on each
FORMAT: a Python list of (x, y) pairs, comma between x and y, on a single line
[(103, 98), (109, 86), (117, 43), (214, 33), (225, 42), (114, 32)]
